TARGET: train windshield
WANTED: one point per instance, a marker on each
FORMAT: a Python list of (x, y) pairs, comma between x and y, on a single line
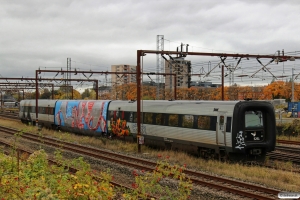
[(253, 119)]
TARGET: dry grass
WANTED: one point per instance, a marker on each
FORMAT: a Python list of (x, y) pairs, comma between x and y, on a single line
[(284, 137), (283, 180)]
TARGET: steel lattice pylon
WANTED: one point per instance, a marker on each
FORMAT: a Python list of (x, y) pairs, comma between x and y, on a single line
[(159, 64)]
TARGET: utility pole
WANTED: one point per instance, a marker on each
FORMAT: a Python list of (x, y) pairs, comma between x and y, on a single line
[(292, 100), (159, 63), (68, 77)]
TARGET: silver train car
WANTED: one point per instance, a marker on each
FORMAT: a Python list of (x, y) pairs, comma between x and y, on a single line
[(11, 104), (242, 130), (27, 112), (224, 129)]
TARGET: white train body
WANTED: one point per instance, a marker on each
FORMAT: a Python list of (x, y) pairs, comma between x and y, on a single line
[(27, 112), (202, 127), (208, 128)]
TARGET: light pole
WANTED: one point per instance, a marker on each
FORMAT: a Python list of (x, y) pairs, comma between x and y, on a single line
[(292, 85)]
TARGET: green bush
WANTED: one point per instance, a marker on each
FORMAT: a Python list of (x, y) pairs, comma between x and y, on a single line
[(35, 178), (292, 129)]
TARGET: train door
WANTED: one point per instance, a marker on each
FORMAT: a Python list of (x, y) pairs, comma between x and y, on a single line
[(221, 128), (31, 113), (48, 113)]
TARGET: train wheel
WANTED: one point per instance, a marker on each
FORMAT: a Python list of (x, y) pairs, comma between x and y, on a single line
[(223, 156)]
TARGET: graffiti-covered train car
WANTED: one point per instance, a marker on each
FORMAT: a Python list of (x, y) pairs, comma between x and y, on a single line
[(87, 117)]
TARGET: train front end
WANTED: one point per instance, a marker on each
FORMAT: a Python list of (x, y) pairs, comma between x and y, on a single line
[(253, 130)]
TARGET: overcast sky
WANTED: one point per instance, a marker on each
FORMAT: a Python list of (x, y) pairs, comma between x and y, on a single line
[(96, 34)]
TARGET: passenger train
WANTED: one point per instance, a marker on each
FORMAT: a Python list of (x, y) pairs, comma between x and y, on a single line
[(240, 130)]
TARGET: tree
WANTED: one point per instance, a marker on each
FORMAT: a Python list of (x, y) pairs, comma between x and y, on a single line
[(92, 94), (276, 90), (46, 94), (76, 94), (57, 94), (85, 94)]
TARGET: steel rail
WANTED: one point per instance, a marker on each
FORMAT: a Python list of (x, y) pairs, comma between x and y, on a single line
[(288, 142)]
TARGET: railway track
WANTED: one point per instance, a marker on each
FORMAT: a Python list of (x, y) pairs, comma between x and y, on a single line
[(10, 115), (285, 153), (288, 142), (219, 183), (293, 150), (284, 157)]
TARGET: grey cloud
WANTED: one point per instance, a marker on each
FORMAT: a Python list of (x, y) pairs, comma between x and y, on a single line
[(101, 33)]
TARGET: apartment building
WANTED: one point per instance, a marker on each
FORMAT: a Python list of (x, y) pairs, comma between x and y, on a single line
[(182, 69), (123, 78)]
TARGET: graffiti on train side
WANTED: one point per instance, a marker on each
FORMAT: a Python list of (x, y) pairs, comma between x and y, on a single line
[(240, 141), (119, 127), (87, 115), (143, 128)]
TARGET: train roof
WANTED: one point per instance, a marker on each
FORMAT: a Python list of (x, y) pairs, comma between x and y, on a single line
[(178, 106), (42, 102)]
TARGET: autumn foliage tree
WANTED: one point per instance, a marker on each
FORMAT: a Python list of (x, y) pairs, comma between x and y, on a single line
[(281, 90), (274, 90)]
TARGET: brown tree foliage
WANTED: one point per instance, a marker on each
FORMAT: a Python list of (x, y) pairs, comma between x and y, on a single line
[(274, 90)]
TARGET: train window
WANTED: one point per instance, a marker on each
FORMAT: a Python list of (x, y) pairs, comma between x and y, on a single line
[(130, 117), (187, 121), (159, 119), (203, 122), (112, 115), (213, 121), (42, 110), (253, 119), (135, 117), (173, 120), (228, 124), (221, 123), (32, 109), (51, 111), (127, 116), (148, 118)]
